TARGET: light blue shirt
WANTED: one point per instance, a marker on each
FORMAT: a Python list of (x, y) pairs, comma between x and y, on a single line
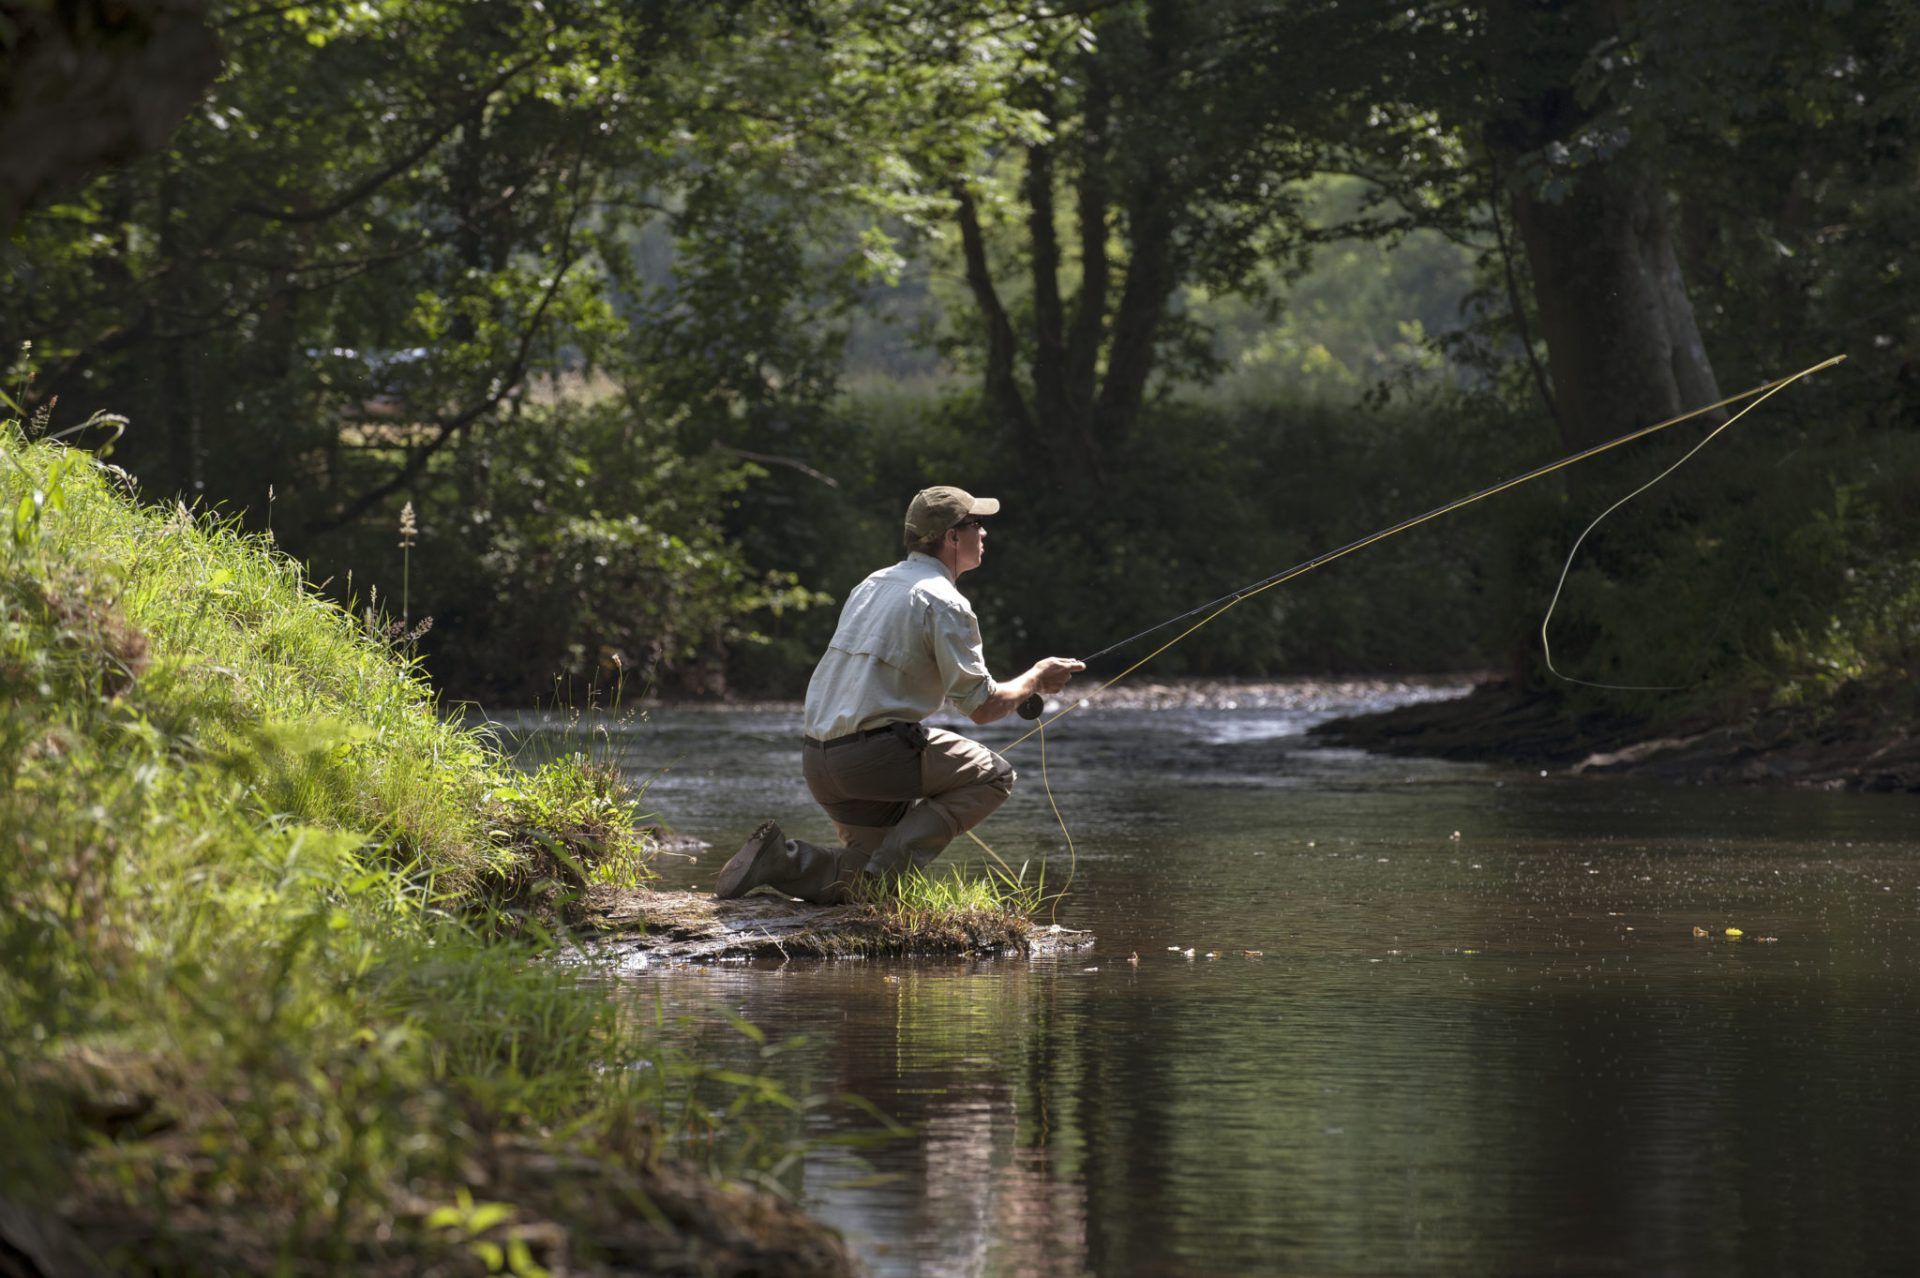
[(907, 643)]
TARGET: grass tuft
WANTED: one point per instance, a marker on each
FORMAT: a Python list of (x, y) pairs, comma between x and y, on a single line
[(953, 911)]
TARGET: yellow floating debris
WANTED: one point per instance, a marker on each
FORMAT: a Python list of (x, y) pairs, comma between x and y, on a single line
[(1735, 932)]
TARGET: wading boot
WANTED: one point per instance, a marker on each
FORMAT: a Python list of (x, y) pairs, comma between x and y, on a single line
[(818, 876), (761, 859), (921, 836)]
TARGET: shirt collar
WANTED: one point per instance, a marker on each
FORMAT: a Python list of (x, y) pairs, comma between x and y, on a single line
[(937, 563)]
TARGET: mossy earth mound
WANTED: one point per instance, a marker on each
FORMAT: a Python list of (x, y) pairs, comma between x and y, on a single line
[(639, 928)]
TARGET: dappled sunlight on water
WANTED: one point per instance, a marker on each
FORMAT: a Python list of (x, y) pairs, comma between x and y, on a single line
[(1495, 1022)]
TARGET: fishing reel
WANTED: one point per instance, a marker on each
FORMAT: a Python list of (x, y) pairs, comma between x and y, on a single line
[(1033, 707)]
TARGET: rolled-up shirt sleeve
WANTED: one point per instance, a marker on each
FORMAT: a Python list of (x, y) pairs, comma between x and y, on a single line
[(957, 652)]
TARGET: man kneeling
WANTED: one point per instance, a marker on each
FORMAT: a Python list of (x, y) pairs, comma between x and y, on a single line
[(897, 791)]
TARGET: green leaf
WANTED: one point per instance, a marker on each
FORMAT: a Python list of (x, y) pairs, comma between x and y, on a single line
[(487, 1215), (747, 1028)]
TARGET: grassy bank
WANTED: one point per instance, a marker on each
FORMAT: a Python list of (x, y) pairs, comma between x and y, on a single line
[(266, 997)]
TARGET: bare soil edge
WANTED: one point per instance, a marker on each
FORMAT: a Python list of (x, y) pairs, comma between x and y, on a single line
[(1851, 744), (641, 927)]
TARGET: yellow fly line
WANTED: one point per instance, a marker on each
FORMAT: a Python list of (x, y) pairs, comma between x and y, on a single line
[(1759, 395)]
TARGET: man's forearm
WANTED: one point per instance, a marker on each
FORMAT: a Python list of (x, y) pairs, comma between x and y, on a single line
[(1005, 696), (1049, 674)]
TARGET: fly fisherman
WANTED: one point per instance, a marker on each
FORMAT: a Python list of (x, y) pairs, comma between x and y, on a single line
[(898, 792)]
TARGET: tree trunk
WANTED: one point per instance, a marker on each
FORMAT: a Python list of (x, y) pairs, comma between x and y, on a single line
[(1152, 274), (1061, 416), (1004, 397), (1049, 323), (1621, 339), (87, 86), (182, 421), (1151, 279), (1091, 194)]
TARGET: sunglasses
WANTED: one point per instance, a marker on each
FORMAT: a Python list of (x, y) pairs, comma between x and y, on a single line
[(965, 524)]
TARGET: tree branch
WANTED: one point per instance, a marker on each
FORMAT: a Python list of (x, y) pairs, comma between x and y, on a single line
[(1151, 274), (1003, 388), (510, 380), (385, 174), (1514, 301), (1143, 298), (769, 459), (1049, 338), (1090, 310)]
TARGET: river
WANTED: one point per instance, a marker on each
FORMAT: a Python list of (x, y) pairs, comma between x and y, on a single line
[(1347, 1014)]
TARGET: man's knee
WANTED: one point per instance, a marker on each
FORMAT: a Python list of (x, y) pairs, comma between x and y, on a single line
[(993, 789)]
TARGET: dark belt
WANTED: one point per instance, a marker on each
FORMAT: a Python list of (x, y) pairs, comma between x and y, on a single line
[(852, 737)]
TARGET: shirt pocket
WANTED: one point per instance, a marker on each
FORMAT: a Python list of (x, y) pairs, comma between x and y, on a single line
[(888, 630)]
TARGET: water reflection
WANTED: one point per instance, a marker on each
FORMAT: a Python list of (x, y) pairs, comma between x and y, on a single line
[(1506, 1052)]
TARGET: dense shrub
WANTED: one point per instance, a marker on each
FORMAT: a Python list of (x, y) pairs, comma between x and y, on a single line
[(583, 549)]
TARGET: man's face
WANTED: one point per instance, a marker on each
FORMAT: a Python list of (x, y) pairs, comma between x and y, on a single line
[(970, 545)]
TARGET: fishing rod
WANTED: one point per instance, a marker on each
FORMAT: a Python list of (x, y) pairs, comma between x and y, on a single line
[(1033, 706)]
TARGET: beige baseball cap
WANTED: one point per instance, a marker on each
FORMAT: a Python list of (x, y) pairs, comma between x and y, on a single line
[(934, 510)]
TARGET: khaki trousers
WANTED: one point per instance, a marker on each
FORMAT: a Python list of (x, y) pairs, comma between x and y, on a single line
[(898, 798)]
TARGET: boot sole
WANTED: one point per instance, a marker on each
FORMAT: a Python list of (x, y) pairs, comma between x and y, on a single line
[(740, 867)]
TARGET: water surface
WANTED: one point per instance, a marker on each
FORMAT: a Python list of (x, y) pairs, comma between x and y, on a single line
[(1436, 1018)]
